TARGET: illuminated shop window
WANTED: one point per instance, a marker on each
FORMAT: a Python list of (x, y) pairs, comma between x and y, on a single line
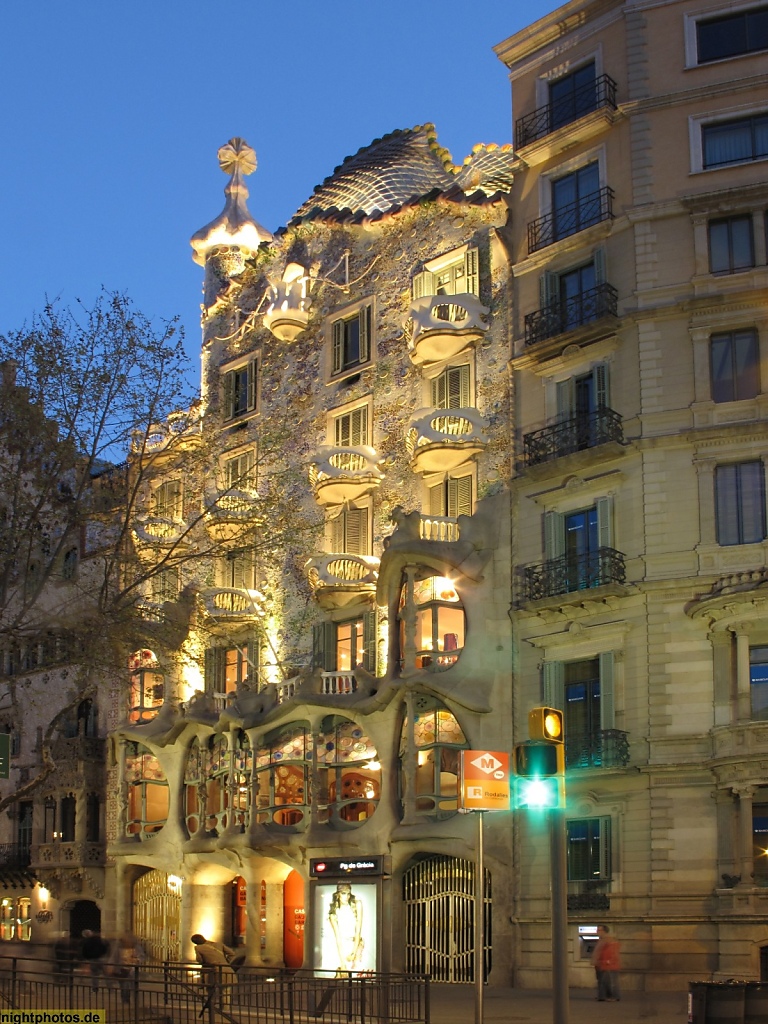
[(349, 770), (147, 809), (440, 623), (24, 919), (436, 739), (193, 778), (217, 785), (282, 784), (147, 687), (243, 768), (7, 919)]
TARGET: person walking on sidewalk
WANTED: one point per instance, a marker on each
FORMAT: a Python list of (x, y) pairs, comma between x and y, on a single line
[(606, 960)]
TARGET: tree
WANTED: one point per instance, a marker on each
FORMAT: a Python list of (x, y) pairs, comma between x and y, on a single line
[(97, 426)]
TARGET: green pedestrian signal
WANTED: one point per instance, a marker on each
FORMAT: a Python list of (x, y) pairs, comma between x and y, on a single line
[(539, 768)]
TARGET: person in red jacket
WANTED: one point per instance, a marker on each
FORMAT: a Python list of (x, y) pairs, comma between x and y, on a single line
[(606, 960)]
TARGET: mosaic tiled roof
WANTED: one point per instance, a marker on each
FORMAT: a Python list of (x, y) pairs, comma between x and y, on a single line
[(402, 167)]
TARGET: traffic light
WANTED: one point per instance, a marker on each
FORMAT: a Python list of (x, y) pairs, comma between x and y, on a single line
[(546, 724)]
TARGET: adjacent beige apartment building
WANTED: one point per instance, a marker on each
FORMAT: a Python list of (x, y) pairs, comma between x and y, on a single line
[(638, 494)]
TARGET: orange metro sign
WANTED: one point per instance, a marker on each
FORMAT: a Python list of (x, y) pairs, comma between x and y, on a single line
[(484, 780)]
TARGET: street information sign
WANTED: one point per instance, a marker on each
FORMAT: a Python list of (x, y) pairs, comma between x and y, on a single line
[(484, 780)]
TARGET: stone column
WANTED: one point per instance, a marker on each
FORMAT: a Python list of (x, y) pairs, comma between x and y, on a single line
[(743, 687), (408, 618), (409, 764), (722, 672), (746, 860)]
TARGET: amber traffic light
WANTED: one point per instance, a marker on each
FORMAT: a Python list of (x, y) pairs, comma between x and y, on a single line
[(546, 724)]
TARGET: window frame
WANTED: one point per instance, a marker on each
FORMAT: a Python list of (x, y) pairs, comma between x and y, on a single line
[(339, 366), (604, 842), (737, 512), (692, 23), (465, 258), (244, 480), (729, 223), (231, 405), (739, 378), (697, 125), (338, 527)]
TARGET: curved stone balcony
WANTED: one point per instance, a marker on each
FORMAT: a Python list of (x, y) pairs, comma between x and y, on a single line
[(441, 326), (344, 474), (440, 440), (230, 513), (158, 531), (179, 430), (340, 579), (287, 314), (232, 604)]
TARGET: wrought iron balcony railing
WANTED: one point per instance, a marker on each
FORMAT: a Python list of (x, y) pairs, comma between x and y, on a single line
[(567, 574), (15, 856), (584, 100), (606, 748), (569, 218), (575, 434), (560, 317)]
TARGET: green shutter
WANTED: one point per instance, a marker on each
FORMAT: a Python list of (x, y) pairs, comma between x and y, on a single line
[(338, 346), (601, 385), (554, 535), (323, 646), (252, 378), (369, 642), (553, 684), (365, 315), (229, 395), (437, 500), (253, 657), (598, 261), (213, 668), (422, 284), (607, 704), (549, 290), (471, 272), (606, 868), (604, 508)]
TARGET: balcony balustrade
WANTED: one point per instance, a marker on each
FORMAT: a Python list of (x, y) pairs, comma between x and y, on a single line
[(62, 854), (575, 434), (569, 218), (606, 748), (440, 528), (338, 579), (582, 101), (344, 474), (567, 574), (338, 682), (441, 440), (232, 603), (285, 691), (230, 512), (179, 430), (15, 856), (158, 531), (441, 326), (588, 307)]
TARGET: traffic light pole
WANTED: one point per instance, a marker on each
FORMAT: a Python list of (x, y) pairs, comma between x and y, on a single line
[(479, 920), (557, 855)]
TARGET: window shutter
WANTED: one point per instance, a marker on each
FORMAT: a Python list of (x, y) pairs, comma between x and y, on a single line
[(323, 640), (369, 642), (338, 346), (342, 431), (549, 289), (253, 657), (553, 684), (437, 500), (212, 673), (598, 261), (358, 427), (554, 535), (439, 390), (604, 508), (601, 385), (566, 400), (457, 387), (422, 284), (605, 848), (252, 377), (337, 533), (460, 496), (356, 531), (471, 272), (607, 703), (365, 333), (229, 395)]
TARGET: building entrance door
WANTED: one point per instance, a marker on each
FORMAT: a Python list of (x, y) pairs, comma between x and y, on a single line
[(157, 915), (439, 897)]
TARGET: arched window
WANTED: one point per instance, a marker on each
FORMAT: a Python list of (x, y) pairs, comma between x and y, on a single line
[(435, 738), (243, 767), (282, 786), (87, 719), (350, 773), (193, 775), (147, 792), (146, 687), (217, 785), (440, 623)]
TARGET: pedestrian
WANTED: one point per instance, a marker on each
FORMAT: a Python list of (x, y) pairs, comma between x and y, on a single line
[(128, 955), (606, 959), (214, 958), (94, 949)]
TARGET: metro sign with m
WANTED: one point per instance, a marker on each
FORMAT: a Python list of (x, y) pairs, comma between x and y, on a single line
[(484, 780)]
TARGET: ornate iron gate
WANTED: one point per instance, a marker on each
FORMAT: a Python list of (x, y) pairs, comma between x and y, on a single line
[(439, 897), (157, 915)]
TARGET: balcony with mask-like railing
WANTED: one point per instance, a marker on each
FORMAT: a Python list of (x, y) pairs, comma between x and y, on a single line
[(232, 604), (441, 326), (597, 95), (153, 532), (603, 748), (166, 440), (573, 574), (340, 579), (570, 218), (339, 474), (441, 440), (583, 432), (587, 312), (230, 512)]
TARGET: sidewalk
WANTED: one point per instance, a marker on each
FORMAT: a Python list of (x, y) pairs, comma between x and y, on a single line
[(455, 1004)]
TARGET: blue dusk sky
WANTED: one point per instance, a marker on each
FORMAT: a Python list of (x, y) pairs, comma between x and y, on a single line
[(113, 114)]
